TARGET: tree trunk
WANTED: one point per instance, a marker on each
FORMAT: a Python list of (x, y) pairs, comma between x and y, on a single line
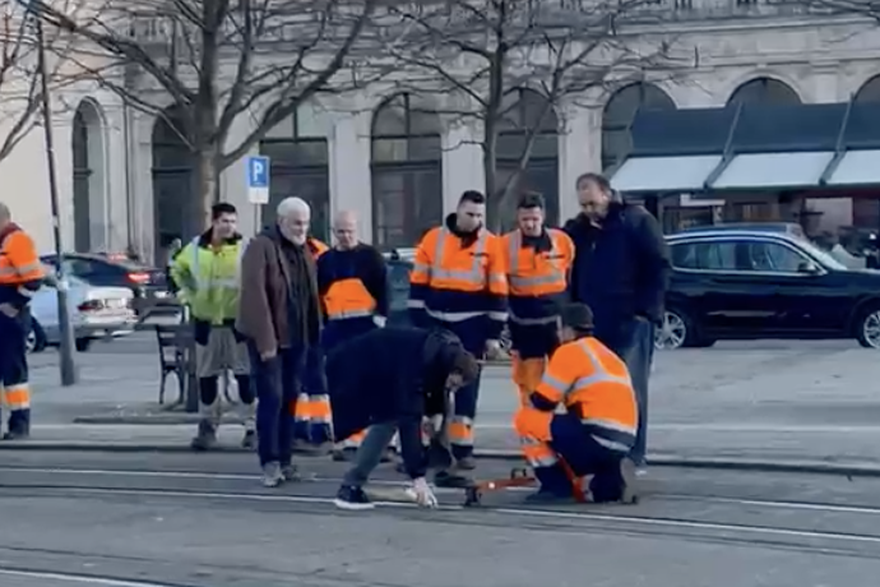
[(207, 183), (490, 171)]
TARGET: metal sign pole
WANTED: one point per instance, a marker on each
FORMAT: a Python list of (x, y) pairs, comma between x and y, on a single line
[(67, 366)]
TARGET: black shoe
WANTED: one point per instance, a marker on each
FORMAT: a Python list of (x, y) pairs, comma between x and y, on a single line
[(448, 479), (468, 463), (350, 497), (542, 497), (16, 435)]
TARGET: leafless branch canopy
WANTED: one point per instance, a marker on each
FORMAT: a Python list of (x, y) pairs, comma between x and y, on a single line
[(19, 79), (216, 59), (480, 54)]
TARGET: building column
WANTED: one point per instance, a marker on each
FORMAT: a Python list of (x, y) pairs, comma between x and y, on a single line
[(115, 161), (580, 151), (142, 196), (350, 175), (462, 166)]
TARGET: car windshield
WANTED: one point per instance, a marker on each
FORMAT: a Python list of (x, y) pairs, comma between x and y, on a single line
[(823, 256)]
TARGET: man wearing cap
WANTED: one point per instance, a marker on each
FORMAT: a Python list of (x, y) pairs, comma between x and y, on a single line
[(582, 452)]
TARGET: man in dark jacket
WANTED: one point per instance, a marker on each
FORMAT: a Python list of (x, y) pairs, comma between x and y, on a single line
[(279, 315), (621, 270), (389, 380)]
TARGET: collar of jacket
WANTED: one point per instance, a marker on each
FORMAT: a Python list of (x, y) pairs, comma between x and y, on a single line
[(541, 243), (9, 229), (467, 238), (580, 224), (205, 239)]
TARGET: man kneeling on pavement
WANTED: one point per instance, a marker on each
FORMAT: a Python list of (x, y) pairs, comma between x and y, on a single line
[(388, 380), (583, 452)]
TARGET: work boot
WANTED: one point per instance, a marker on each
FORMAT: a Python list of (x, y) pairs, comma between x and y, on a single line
[(206, 437), (630, 493), (249, 441), (290, 473), (272, 475), (468, 463), (449, 479)]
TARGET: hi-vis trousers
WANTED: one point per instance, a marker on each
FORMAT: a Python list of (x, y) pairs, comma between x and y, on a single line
[(562, 452), (16, 393)]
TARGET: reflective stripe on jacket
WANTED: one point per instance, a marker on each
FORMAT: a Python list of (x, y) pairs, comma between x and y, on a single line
[(453, 282), (210, 278), (538, 278), (21, 272), (593, 383)]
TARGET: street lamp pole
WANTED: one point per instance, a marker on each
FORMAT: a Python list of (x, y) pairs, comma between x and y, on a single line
[(68, 369)]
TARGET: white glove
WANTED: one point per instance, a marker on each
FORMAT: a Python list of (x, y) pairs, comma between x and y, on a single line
[(423, 494), (379, 321)]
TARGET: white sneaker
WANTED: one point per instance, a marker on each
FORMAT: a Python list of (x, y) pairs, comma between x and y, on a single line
[(272, 475)]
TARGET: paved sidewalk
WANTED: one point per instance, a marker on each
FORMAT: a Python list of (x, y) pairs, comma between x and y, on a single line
[(776, 402)]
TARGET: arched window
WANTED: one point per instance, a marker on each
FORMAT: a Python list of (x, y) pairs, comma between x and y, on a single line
[(526, 111), (299, 158), (618, 116), (90, 229), (764, 90), (870, 91), (406, 168), (177, 212)]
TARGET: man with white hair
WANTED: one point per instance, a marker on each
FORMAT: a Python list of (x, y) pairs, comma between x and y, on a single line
[(279, 314)]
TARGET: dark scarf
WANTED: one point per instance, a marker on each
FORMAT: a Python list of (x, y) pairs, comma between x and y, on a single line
[(305, 317), (541, 243), (467, 238)]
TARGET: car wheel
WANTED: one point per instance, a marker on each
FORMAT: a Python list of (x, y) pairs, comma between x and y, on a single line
[(36, 338), (676, 332), (83, 344), (868, 327)]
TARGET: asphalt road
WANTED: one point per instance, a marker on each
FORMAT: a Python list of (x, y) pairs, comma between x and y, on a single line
[(203, 520)]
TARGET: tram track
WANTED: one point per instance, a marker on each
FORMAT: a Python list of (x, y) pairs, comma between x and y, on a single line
[(807, 526)]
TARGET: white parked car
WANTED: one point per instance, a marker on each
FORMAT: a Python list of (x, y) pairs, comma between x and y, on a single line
[(95, 312)]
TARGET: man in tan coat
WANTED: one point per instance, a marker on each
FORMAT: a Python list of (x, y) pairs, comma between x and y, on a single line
[(279, 314)]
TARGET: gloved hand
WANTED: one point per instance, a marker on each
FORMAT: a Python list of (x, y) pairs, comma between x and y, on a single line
[(424, 495)]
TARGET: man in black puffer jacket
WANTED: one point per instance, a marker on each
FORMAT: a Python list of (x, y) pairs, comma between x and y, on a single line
[(621, 271), (389, 380)]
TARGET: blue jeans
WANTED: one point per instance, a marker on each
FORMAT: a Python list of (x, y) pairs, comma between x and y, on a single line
[(277, 382), (637, 351)]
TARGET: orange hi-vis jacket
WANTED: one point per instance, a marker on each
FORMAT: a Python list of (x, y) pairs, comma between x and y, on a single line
[(353, 284), (458, 278), (537, 272), (593, 383), (316, 247), (21, 273)]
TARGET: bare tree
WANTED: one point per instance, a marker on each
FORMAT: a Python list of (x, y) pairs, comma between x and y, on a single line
[(217, 60), (480, 54), (19, 78)]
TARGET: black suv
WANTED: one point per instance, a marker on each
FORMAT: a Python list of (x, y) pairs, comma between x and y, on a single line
[(752, 284)]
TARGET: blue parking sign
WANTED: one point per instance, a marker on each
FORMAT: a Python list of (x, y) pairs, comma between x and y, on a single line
[(258, 171), (258, 179)]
